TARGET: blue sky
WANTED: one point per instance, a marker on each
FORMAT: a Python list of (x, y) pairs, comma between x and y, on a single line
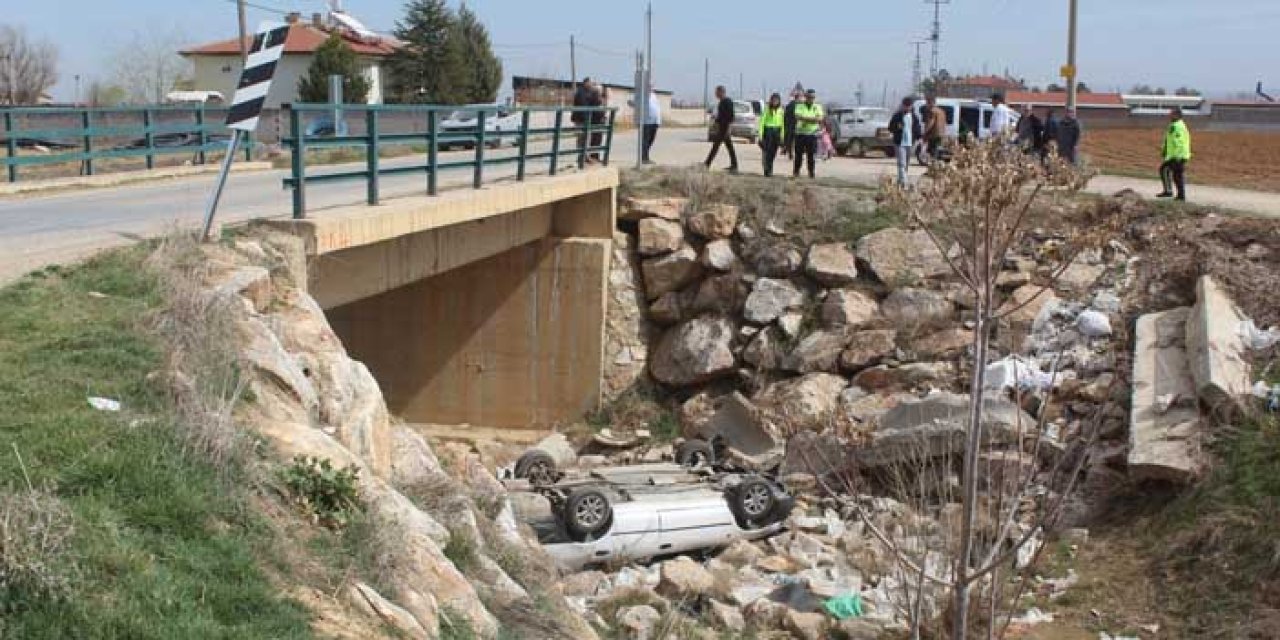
[(1222, 46)]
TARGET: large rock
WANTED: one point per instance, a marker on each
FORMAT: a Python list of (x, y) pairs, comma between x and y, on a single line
[(372, 603), (818, 351), (766, 350), (685, 580), (947, 343), (694, 352), (938, 426), (804, 403), (670, 272), (737, 422), (868, 348), (911, 308), (412, 460), (668, 309), (1165, 429), (1079, 278), (1216, 351), (714, 222), (849, 308), (639, 622), (806, 626), (1025, 305), (899, 257), (777, 261), (727, 617), (723, 294), (719, 255), (831, 265), (907, 377), (665, 208), (658, 237), (627, 333), (770, 298)]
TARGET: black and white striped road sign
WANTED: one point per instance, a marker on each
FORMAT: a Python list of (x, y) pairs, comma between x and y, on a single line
[(255, 81)]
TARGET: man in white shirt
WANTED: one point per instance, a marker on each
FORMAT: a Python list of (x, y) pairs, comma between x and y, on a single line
[(652, 120), (1001, 119)]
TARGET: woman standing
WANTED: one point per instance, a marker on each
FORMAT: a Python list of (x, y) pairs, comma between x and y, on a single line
[(771, 120)]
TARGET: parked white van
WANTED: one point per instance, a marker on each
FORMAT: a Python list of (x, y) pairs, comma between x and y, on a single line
[(964, 118)]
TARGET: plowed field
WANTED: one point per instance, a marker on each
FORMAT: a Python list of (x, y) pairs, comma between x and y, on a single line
[(1244, 160)]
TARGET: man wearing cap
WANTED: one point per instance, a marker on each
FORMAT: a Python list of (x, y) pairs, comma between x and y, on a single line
[(789, 122), (809, 117), (1176, 154)]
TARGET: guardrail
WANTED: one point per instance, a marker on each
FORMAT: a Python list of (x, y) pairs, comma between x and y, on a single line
[(98, 134), (479, 136)]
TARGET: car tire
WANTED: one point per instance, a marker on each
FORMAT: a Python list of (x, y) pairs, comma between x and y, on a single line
[(695, 454), (856, 148), (753, 502), (536, 466), (587, 514)]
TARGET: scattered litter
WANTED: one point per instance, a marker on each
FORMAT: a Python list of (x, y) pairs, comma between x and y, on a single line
[(1032, 617), (1014, 371), (1152, 628), (1103, 635), (844, 607), (104, 404), (1094, 324), (1269, 393), (97, 294), (1258, 339)]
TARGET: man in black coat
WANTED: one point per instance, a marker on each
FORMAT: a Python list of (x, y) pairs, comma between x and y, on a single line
[(789, 122), (720, 131), (588, 95)]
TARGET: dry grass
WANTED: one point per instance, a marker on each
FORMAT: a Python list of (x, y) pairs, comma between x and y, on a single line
[(36, 527), (1245, 160)]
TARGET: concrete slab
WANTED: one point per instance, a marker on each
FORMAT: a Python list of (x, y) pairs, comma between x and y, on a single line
[(1216, 351), (1164, 425)]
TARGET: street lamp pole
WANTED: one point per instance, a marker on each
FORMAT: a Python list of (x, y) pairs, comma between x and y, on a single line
[(1071, 58)]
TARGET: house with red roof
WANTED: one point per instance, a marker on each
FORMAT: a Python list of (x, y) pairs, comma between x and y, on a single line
[(979, 87), (217, 65)]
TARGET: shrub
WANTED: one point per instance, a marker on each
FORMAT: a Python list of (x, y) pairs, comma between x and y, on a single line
[(35, 532), (330, 496)]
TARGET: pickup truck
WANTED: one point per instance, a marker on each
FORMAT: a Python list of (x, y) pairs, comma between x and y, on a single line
[(857, 130)]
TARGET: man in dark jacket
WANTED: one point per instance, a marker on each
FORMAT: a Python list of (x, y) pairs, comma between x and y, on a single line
[(720, 130), (1030, 130), (588, 95), (905, 127), (1068, 136), (789, 122)]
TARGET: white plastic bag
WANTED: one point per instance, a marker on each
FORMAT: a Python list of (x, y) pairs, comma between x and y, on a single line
[(104, 404), (1258, 339), (1094, 324), (1016, 372)]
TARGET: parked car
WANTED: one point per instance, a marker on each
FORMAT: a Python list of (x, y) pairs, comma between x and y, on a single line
[(857, 130), (965, 118), (499, 125), (746, 124)]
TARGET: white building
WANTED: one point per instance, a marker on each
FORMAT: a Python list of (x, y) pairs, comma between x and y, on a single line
[(218, 64)]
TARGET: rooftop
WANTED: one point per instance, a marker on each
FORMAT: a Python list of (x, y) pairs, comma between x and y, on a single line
[(1059, 99), (303, 38), (994, 82), (519, 82)]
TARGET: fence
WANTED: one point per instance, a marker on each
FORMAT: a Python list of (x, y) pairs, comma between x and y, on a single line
[(43, 136), (475, 127)]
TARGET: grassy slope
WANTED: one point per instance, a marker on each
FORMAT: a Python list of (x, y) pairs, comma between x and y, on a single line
[(164, 546)]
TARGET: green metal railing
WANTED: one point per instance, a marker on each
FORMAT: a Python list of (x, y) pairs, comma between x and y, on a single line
[(437, 138), (91, 136)]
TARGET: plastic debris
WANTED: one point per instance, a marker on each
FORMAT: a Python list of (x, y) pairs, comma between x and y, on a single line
[(1258, 339), (104, 404), (844, 607), (1032, 617), (1017, 372), (1269, 393), (1094, 324)]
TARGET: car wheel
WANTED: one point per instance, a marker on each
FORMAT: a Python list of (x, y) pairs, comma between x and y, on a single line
[(537, 467), (753, 502), (695, 454), (587, 514), (857, 149)]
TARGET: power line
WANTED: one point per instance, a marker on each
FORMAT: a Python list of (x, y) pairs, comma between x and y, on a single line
[(936, 35), (603, 52)]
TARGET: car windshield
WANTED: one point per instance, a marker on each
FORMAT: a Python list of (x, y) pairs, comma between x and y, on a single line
[(876, 114), (742, 107)]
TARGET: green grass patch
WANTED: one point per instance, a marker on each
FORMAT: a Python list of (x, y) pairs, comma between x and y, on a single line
[(164, 545)]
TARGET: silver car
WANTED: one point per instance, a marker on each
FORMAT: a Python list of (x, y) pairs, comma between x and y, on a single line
[(746, 124)]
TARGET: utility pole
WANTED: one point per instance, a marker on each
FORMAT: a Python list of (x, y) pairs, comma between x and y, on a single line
[(1070, 70), (244, 31), (706, 84), (859, 94), (573, 64), (936, 35), (915, 67), (641, 105), (741, 85)]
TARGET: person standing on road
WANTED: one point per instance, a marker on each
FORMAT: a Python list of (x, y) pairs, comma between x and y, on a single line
[(588, 95), (1176, 152), (652, 121), (771, 131), (935, 126), (809, 116), (789, 123), (721, 133), (1050, 134), (905, 128), (1068, 136), (1030, 130), (1001, 118)]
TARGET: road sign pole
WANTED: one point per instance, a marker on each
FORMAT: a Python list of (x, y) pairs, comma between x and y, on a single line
[(1071, 57), (212, 208)]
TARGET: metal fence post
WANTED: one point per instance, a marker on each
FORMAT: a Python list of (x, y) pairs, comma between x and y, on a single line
[(608, 137), (204, 137), (524, 144), (433, 152), (555, 141), (371, 152), (11, 144), (298, 165), (480, 144), (87, 121), (586, 140), (150, 138)]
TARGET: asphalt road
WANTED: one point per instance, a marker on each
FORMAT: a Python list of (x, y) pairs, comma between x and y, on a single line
[(39, 230)]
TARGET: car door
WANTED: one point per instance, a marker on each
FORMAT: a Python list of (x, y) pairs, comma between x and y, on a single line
[(698, 526)]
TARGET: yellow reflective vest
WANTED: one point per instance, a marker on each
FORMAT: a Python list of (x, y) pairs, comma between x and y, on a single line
[(1177, 142), (804, 110), (770, 119)]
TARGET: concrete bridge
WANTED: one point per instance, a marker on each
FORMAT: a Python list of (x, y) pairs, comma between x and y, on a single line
[(476, 310)]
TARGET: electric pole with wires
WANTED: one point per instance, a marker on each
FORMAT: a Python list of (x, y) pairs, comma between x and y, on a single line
[(244, 30), (936, 35), (916, 70)]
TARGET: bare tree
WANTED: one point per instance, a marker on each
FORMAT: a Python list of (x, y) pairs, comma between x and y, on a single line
[(148, 66), (27, 68)]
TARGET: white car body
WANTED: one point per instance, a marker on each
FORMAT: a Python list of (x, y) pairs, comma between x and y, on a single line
[(659, 525), (497, 120), (975, 115), (746, 124), (868, 126)]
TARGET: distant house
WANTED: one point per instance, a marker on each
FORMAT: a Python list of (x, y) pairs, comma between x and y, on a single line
[(979, 87), (548, 92), (218, 64)]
